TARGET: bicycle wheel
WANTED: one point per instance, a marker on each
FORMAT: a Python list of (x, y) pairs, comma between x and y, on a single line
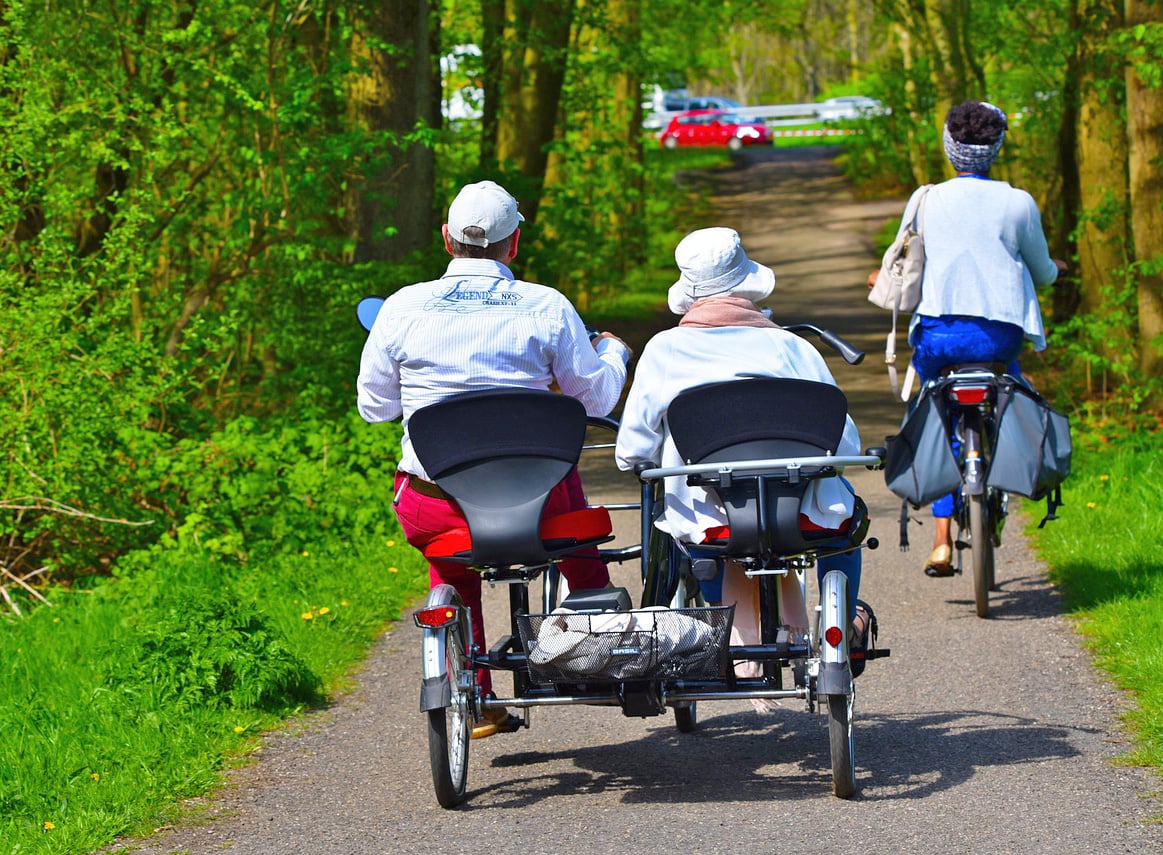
[(981, 547), (841, 744), (448, 727), (998, 504), (686, 716)]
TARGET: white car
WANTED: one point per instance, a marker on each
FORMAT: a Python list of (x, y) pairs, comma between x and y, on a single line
[(849, 107)]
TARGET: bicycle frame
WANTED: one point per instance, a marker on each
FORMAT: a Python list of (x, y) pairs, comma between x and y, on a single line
[(970, 394)]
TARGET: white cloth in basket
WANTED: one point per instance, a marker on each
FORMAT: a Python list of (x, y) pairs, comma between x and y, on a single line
[(566, 639)]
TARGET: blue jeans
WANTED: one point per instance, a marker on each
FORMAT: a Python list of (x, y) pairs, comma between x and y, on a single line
[(950, 339)]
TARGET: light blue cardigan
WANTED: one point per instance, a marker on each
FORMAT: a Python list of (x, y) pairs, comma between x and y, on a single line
[(984, 253)]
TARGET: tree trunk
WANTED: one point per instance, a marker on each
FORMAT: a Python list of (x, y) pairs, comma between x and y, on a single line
[(853, 42), (536, 48), (945, 22), (393, 211), (917, 156), (628, 217), (493, 60), (1102, 156), (1145, 142), (1101, 145)]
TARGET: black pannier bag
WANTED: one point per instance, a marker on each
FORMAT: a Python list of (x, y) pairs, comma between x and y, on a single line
[(919, 465), (1032, 447)]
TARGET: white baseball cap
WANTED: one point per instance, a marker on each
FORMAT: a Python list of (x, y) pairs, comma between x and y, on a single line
[(487, 205), (713, 264)]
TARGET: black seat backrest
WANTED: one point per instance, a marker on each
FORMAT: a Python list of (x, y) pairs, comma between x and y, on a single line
[(754, 419), (499, 453)]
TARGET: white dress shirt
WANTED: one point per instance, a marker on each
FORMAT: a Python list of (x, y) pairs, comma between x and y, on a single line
[(479, 328), (681, 358)]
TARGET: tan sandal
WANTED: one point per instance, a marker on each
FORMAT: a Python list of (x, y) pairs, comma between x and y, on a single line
[(496, 720), (940, 562)]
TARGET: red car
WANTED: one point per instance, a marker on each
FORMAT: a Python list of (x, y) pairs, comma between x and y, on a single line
[(714, 127)]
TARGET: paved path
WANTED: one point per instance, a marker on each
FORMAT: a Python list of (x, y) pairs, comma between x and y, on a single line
[(990, 736)]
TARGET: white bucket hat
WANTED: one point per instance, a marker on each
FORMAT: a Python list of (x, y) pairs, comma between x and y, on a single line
[(713, 264), (487, 205)]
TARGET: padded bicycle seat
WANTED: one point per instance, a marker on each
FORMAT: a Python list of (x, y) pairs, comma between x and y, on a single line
[(499, 453), (756, 419)]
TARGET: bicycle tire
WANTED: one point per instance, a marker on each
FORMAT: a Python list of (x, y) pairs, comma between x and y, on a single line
[(449, 727), (981, 553), (841, 744)]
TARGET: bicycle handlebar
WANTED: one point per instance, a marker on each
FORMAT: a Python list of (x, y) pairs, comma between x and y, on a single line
[(851, 355)]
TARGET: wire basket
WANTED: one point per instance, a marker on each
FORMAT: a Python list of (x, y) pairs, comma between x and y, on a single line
[(642, 644)]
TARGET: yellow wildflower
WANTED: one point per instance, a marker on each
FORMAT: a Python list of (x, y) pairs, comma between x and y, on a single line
[(95, 777), (308, 615), (48, 826), (1104, 477), (238, 728), (393, 569), (391, 543), (324, 610), (1091, 505), (343, 603)]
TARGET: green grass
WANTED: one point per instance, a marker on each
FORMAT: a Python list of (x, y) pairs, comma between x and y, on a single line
[(1106, 553), (127, 698)]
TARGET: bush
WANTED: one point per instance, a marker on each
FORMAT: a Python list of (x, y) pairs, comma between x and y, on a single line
[(201, 648)]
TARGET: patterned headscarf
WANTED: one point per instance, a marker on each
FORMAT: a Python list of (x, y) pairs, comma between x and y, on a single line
[(978, 159)]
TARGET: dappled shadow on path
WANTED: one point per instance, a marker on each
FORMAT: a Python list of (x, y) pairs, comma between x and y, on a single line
[(742, 757)]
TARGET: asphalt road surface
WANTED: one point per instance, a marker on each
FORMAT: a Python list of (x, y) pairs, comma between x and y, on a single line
[(975, 736)]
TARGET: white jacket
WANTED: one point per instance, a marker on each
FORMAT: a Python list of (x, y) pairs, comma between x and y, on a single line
[(681, 358)]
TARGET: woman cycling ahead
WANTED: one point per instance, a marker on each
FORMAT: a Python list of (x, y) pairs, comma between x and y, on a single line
[(985, 251)]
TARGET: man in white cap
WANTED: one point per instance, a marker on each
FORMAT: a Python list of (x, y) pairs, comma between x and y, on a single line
[(478, 327), (724, 336)]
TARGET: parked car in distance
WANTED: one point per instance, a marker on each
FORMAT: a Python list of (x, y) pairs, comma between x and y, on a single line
[(848, 107), (714, 127), (675, 101), (711, 102)]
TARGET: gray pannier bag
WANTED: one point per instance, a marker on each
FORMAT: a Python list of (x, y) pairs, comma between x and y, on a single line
[(919, 464), (1032, 447)]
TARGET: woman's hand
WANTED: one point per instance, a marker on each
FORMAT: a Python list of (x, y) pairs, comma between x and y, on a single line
[(872, 277)]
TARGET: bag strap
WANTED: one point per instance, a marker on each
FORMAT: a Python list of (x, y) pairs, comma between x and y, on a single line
[(890, 344), (1053, 503), (918, 214)]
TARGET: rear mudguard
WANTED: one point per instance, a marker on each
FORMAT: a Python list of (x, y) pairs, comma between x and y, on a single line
[(435, 687), (835, 675)]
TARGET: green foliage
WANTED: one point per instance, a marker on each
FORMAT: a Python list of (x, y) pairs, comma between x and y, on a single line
[(138, 693), (1095, 379), (205, 649), (174, 194), (1142, 45), (255, 489)]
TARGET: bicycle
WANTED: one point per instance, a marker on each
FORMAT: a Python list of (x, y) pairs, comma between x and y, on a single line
[(969, 393)]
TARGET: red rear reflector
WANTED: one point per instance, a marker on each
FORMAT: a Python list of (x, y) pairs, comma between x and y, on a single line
[(834, 636), (969, 394), (435, 617)]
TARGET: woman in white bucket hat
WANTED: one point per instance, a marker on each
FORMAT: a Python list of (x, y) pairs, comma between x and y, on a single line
[(723, 336)]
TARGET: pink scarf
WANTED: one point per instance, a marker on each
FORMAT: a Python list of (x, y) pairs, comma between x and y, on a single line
[(725, 312)]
